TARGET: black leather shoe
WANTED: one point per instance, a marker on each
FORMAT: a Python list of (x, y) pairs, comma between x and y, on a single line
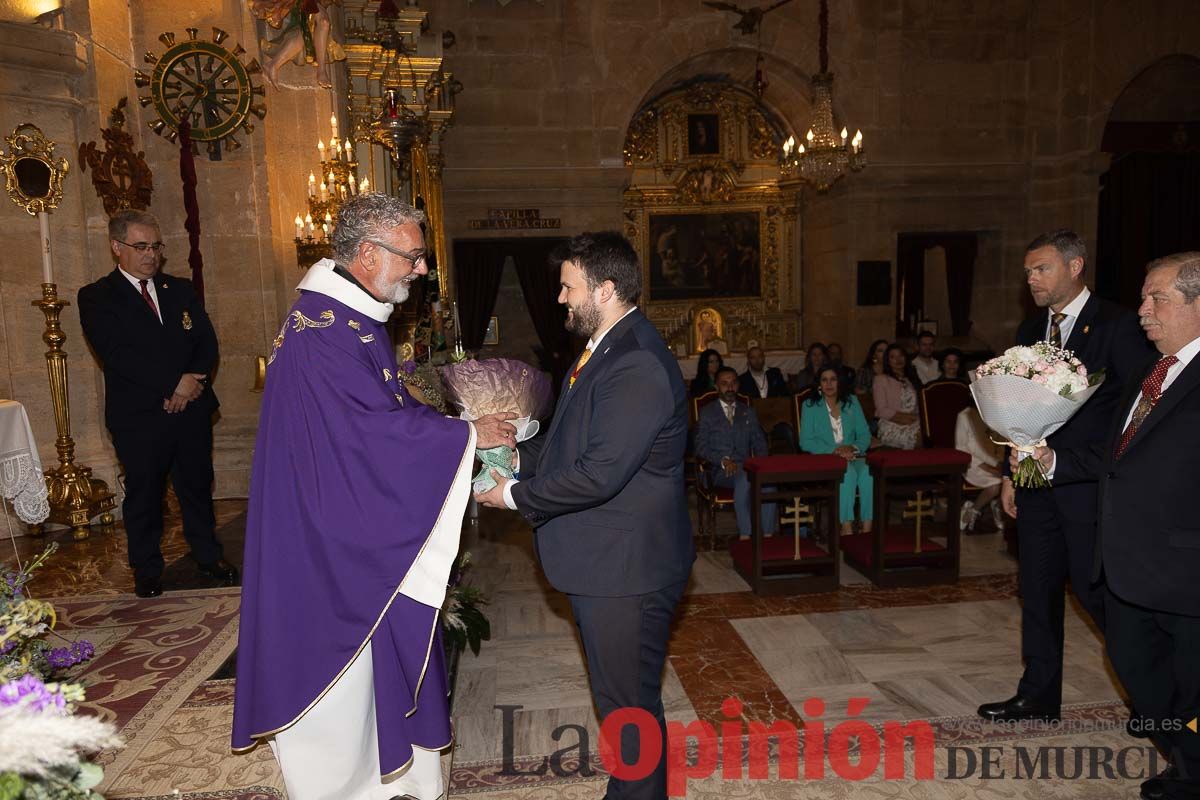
[(147, 587), (1156, 788), (1017, 708), (220, 569)]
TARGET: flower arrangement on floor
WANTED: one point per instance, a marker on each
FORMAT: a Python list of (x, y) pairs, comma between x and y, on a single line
[(1028, 393), (463, 622), (42, 740)]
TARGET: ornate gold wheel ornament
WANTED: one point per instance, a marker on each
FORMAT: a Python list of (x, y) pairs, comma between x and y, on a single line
[(202, 82)]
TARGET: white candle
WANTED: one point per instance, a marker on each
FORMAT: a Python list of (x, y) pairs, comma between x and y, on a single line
[(321, 150), (333, 123), (299, 227), (364, 187), (47, 267), (312, 184), (324, 191), (349, 150)]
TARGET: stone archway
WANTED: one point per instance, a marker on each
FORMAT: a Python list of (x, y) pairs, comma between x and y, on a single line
[(1149, 199)]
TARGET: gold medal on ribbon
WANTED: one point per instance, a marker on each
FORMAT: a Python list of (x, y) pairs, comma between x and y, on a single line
[(187, 321)]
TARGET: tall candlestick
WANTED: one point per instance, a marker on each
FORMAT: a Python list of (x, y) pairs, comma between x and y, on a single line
[(47, 266), (457, 328)]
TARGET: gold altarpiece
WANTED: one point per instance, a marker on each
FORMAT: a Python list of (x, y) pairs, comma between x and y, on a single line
[(717, 231)]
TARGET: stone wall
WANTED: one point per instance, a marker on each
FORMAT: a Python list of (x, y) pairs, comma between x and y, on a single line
[(980, 117)]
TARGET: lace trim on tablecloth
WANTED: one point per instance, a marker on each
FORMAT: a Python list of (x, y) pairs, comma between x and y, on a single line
[(22, 482)]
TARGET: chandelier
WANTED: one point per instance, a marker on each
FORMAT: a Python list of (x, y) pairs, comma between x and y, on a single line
[(338, 182), (826, 154)]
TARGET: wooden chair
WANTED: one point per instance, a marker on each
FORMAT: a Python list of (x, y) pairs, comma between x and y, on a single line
[(909, 556), (793, 565), (773, 412), (710, 498), (941, 402)]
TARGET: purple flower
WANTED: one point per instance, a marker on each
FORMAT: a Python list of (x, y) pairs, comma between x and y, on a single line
[(64, 657), (30, 692)]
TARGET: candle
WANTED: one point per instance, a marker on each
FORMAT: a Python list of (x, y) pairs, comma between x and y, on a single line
[(324, 230), (308, 222), (299, 227), (321, 150), (349, 150), (328, 218), (324, 191), (312, 184), (47, 265), (333, 123), (454, 305), (364, 187), (335, 151)]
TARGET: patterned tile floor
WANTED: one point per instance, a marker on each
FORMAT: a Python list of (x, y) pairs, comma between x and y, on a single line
[(922, 653)]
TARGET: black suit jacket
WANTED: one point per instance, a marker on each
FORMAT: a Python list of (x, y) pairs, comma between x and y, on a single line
[(1149, 531), (1106, 336), (604, 486), (144, 360), (776, 384)]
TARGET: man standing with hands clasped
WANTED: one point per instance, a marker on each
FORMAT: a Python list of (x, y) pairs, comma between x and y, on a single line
[(603, 488), (159, 350), (1149, 536)]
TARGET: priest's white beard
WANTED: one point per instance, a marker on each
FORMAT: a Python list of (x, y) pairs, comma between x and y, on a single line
[(397, 293)]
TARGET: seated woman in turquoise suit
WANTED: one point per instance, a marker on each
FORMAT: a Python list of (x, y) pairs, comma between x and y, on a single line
[(833, 422)]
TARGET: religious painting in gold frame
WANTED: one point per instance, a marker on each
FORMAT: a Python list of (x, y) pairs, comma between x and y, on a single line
[(713, 229)]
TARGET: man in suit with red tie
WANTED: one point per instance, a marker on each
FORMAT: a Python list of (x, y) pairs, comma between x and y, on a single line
[(603, 488), (158, 350), (1149, 536), (1056, 530)]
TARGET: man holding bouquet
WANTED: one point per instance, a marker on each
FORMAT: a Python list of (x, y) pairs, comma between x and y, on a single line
[(1149, 538), (603, 487), (1057, 525)]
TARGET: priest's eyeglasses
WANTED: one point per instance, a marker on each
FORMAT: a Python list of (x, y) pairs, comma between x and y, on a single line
[(415, 258), (144, 247)]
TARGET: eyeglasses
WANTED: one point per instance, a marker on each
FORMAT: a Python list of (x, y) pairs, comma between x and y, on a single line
[(415, 258), (144, 247)]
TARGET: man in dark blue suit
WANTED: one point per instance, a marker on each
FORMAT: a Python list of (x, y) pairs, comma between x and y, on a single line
[(1149, 539), (159, 350), (1057, 526), (604, 491)]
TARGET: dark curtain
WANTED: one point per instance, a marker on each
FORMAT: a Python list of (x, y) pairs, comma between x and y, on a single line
[(1149, 207), (961, 249), (539, 283), (478, 266), (910, 281), (960, 277)]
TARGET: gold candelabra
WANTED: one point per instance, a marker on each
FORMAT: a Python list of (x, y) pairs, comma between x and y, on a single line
[(338, 183), (75, 496)]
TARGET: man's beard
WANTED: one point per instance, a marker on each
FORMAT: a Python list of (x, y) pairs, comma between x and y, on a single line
[(397, 293), (584, 320), (730, 396)]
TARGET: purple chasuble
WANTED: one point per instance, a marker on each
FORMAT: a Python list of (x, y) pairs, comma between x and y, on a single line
[(351, 475)]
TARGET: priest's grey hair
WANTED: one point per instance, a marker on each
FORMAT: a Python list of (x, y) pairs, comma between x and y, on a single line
[(1187, 280), (369, 216)]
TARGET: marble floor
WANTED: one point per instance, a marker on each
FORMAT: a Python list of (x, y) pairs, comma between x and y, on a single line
[(932, 653)]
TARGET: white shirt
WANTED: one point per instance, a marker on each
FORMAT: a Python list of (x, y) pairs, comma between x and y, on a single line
[(927, 368), (1072, 309), (835, 424), (137, 284), (760, 380), (593, 344), (1184, 355), (729, 409)]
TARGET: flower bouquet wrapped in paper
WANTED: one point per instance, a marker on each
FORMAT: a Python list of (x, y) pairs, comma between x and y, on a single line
[(1029, 393), (493, 386)]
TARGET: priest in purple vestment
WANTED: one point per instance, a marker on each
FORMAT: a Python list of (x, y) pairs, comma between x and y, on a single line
[(356, 503)]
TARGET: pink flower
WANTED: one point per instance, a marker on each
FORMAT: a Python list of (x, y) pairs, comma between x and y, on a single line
[(1082, 370), (1038, 379), (1021, 370)]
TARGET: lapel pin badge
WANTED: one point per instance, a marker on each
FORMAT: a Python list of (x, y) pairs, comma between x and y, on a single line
[(187, 321), (1087, 328)]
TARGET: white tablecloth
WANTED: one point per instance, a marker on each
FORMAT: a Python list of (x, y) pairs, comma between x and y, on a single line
[(789, 362), (21, 479)]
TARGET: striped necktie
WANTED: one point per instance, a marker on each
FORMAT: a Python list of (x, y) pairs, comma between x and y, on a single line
[(1055, 337)]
